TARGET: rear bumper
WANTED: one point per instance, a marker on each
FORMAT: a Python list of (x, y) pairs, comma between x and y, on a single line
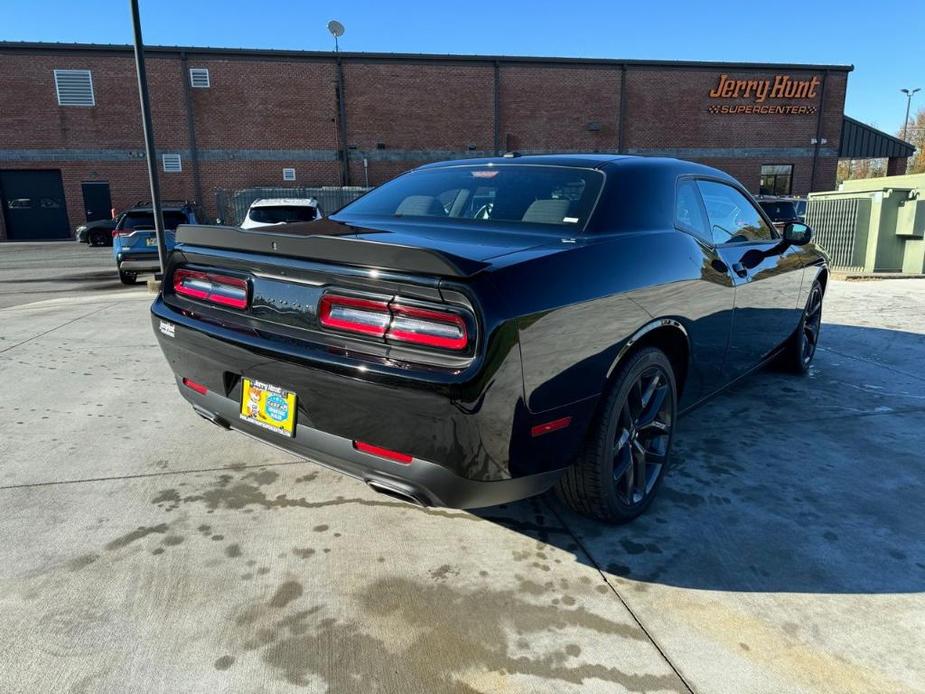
[(471, 441), (421, 481), (138, 262)]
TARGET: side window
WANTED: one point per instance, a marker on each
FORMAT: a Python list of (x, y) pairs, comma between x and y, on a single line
[(688, 213), (733, 218)]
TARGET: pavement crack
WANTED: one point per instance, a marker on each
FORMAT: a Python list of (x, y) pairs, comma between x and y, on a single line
[(143, 475), (57, 327), (886, 367), (622, 600)]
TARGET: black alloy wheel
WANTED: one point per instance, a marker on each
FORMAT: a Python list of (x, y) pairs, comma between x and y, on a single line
[(625, 458), (642, 437), (799, 350), (812, 323)]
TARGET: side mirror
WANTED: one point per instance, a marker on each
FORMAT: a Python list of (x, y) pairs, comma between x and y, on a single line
[(797, 233)]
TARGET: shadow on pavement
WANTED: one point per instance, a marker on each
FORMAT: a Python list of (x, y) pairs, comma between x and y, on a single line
[(781, 484)]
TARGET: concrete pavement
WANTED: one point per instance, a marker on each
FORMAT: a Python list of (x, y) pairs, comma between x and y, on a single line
[(145, 549)]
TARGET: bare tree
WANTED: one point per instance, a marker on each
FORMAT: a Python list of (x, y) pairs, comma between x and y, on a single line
[(915, 135), (860, 168)]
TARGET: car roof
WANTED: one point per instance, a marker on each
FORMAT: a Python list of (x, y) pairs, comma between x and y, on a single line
[(593, 160), (164, 208), (602, 161), (297, 202)]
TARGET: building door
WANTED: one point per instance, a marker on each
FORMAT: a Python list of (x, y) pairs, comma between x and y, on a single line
[(97, 201), (33, 205)]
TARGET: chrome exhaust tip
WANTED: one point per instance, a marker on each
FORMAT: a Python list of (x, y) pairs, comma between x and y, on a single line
[(397, 492)]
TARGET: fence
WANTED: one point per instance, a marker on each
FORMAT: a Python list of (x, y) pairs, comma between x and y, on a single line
[(232, 205)]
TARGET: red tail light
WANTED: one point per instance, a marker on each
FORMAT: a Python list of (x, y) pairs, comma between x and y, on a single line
[(399, 323), (426, 327), (354, 315), (211, 287), (395, 456)]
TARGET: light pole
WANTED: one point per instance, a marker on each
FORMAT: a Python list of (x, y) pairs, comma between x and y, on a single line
[(908, 93), (148, 131)]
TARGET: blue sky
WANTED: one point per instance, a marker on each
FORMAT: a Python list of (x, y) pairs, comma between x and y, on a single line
[(885, 42)]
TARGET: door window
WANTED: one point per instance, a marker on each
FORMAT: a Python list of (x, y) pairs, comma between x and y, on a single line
[(733, 218), (688, 212)]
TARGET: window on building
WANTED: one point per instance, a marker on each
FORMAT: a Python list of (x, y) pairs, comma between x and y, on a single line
[(199, 78), (172, 163), (733, 218), (74, 88), (776, 179)]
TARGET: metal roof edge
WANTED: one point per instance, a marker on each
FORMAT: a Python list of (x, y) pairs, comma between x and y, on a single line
[(42, 46), (898, 140)]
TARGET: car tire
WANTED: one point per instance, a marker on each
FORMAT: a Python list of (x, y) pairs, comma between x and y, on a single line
[(128, 277), (97, 238), (631, 435), (800, 348)]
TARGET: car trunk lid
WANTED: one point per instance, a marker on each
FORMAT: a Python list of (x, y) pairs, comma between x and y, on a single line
[(410, 247)]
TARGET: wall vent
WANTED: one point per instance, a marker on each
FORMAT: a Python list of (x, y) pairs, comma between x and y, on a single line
[(288, 174), (172, 163), (199, 78), (74, 88)]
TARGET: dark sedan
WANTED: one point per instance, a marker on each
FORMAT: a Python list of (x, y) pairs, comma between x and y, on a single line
[(476, 332), (98, 233)]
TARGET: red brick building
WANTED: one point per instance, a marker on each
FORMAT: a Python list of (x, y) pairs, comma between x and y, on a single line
[(237, 118)]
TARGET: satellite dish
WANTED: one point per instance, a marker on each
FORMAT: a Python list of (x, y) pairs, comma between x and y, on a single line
[(336, 28)]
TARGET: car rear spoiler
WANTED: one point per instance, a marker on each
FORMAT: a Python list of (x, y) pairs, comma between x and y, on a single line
[(335, 249)]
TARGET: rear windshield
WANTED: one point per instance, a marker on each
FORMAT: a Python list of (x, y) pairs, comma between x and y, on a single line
[(133, 220), (537, 196), (282, 213), (780, 211)]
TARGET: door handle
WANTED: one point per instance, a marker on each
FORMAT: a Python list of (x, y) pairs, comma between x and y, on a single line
[(739, 269)]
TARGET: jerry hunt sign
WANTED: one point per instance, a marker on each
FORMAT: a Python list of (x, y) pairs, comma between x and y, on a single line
[(760, 91)]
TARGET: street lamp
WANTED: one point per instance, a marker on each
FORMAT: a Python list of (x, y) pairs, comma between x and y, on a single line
[(908, 93)]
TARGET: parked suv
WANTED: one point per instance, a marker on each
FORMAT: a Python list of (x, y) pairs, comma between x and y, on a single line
[(269, 212), (134, 244), (781, 210)]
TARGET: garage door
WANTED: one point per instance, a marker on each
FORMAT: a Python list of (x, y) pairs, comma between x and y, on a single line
[(33, 205)]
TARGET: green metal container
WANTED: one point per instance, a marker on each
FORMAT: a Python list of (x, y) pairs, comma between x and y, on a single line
[(872, 225)]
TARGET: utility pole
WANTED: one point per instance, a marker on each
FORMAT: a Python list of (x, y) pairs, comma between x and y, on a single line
[(149, 139), (908, 93)]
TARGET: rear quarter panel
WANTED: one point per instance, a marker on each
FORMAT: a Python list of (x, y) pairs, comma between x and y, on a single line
[(577, 308)]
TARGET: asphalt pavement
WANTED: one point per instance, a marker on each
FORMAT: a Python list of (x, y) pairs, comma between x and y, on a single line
[(32, 272), (144, 549)]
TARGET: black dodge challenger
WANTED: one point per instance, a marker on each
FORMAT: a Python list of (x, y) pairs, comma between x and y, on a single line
[(477, 332)]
